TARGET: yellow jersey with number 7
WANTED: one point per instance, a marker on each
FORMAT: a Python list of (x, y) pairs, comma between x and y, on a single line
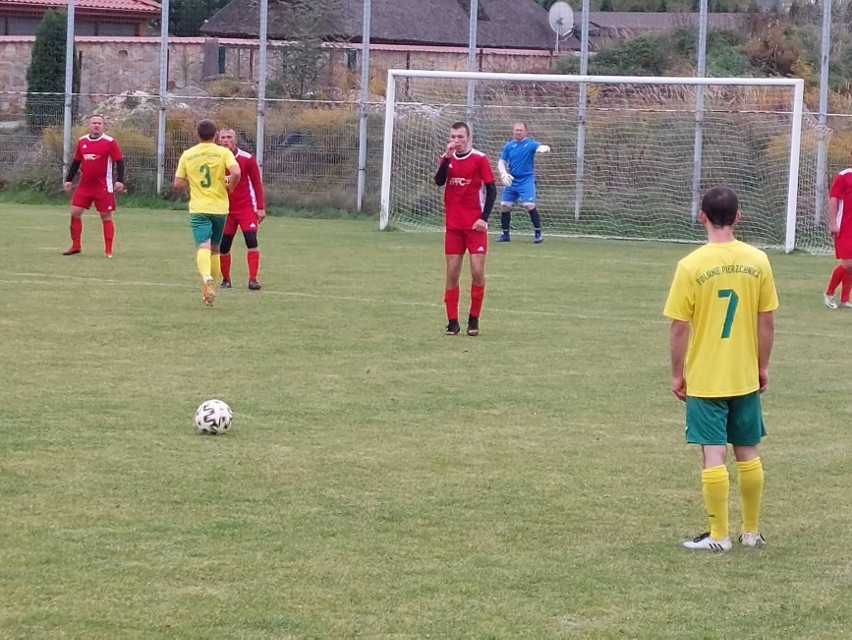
[(719, 289), (204, 167)]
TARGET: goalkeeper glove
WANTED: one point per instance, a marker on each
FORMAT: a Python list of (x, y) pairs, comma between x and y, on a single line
[(507, 178), (543, 148)]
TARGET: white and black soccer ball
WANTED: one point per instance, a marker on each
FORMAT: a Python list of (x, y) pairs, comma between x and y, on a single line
[(213, 416)]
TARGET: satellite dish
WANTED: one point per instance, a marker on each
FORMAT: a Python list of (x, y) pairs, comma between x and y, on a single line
[(561, 18)]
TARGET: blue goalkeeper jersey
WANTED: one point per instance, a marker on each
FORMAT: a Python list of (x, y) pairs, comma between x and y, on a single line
[(520, 156)]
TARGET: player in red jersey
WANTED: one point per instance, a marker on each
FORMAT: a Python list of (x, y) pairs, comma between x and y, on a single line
[(465, 173), (246, 213), (840, 228), (96, 156)]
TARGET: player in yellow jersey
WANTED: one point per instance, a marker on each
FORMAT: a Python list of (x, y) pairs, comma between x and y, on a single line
[(722, 305), (203, 169)]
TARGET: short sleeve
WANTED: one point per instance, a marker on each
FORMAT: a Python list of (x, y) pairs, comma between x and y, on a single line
[(487, 172), (78, 157), (181, 168), (115, 152), (768, 294), (230, 159), (680, 304)]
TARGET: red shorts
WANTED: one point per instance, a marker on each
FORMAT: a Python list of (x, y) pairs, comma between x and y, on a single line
[(245, 220), (843, 245), (85, 196), (457, 241)]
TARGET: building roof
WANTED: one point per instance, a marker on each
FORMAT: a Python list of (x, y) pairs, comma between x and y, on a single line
[(148, 7), (422, 22)]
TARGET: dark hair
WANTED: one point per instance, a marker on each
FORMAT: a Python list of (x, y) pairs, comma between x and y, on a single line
[(461, 125), (207, 130), (720, 205)]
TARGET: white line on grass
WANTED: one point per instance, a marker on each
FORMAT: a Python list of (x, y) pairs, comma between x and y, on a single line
[(50, 279)]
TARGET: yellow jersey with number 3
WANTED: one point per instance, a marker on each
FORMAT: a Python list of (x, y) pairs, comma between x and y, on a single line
[(204, 167), (719, 289)]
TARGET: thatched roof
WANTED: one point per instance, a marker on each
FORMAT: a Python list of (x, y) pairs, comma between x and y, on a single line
[(515, 24)]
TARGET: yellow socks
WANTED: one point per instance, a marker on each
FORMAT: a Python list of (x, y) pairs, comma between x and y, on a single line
[(750, 483), (203, 262), (715, 485), (215, 266)]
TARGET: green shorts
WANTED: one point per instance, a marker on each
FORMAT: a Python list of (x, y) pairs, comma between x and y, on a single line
[(207, 226), (737, 420)]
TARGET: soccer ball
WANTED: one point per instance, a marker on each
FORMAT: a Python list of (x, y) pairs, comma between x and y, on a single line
[(213, 416)]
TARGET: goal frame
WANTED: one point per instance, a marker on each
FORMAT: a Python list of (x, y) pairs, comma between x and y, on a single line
[(796, 112)]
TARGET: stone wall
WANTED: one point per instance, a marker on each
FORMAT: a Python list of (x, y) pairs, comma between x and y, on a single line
[(114, 65)]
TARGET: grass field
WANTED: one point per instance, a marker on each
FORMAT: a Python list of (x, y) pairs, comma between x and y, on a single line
[(381, 480)]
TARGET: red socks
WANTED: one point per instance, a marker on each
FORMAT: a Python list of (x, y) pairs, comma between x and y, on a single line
[(845, 287), (225, 265), (109, 234), (836, 278), (477, 294), (76, 232), (451, 302), (253, 259)]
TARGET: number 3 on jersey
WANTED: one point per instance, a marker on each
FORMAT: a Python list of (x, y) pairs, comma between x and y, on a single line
[(733, 299), (207, 181)]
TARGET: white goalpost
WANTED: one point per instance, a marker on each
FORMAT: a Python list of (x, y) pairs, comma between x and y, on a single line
[(629, 174)]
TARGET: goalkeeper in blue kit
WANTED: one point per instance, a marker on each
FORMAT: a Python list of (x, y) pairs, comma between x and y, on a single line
[(517, 172)]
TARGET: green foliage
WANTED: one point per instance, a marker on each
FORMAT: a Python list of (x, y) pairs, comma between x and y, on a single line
[(642, 56), (46, 73)]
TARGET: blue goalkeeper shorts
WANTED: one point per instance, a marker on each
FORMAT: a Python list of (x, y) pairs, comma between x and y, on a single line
[(520, 191)]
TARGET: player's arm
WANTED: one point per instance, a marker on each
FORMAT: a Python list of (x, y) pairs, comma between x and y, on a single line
[(444, 165), (833, 208), (678, 342), (181, 182), (119, 175), (503, 169), (254, 177), (765, 340), (234, 177), (69, 177)]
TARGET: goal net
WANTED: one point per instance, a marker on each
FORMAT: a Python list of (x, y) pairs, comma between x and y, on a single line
[(629, 156)]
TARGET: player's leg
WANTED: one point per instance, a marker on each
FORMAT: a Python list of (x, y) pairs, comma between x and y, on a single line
[(477, 245), (843, 252), (79, 202), (202, 232), (454, 253), (249, 226), (745, 431), (706, 424), (507, 199), (228, 234), (105, 205), (527, 194), (216, 233), (846, 284)]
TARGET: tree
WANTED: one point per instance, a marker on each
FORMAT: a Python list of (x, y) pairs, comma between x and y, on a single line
[(606, 5), (187, 16), (46, 73)]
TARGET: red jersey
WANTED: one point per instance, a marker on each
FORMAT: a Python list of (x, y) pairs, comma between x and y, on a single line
[(96, 157), (248, 195), (841, 188), (464, 192)]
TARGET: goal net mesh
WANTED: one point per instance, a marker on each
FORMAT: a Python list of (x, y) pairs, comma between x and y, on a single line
[(637, 156)]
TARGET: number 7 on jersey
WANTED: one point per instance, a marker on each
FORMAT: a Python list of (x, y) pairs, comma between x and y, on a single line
[(733, 299)]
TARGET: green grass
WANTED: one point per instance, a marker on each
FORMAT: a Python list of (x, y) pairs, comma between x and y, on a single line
[(381, 480)]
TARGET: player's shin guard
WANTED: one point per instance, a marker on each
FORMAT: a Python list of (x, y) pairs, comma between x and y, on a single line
[(215, 266), (225, 265), (715, 485), (836, 278), (477, 295), (505, 221), (76, 232), (750, 481), (451, 302), (253, 260), (202, 261), (109, 235), (535, 219)]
